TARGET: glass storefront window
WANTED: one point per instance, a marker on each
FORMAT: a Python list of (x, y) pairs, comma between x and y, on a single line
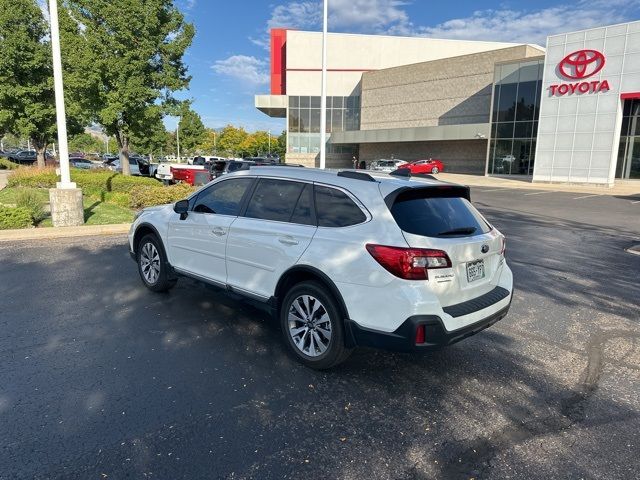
[(343, 113), (515, 112), (628, 165)]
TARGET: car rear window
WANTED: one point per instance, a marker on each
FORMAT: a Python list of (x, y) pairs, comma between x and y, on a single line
[(435, 213)]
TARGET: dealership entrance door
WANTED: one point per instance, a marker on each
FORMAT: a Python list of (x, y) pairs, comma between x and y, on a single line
[(628, 165)]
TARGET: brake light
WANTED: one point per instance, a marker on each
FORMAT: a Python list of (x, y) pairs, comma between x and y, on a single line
[(503, 248), (409, 263), (420, 336)]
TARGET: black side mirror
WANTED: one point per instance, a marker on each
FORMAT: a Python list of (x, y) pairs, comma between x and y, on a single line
[(182, 207)]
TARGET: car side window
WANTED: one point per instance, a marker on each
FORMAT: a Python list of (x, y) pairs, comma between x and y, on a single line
[(274, 200), (303, 213), (223, 198), (334, 208)]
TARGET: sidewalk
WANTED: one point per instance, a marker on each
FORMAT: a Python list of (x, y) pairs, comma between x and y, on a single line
[(622, 187), (62, 232)]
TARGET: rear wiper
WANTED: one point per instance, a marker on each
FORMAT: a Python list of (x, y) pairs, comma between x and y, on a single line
[(458, 231)]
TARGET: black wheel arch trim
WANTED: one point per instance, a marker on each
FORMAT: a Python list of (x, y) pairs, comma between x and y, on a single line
[(135, 235), (274, 301)]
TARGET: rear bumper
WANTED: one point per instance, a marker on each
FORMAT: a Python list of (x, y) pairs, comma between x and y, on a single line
[(403, 339)]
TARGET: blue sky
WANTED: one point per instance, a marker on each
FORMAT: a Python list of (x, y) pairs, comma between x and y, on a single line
[(229, 58)]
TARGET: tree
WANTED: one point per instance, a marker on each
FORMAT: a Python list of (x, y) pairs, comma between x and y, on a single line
[(281, 145), (153, 139), (85, 142), (128, 59), (27, 104), (192, 131), (231, 139), (209, 144)]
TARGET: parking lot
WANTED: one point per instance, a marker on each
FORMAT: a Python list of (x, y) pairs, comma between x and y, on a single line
[(100, 378)]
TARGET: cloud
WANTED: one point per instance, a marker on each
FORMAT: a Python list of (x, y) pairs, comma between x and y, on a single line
[(390, 17), (531, 26), (247, 69)]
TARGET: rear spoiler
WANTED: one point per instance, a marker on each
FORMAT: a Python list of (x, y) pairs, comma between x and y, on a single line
[(445, 190)]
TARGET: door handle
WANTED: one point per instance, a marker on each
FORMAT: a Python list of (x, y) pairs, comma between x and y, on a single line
[(219, 231), (288, 240)]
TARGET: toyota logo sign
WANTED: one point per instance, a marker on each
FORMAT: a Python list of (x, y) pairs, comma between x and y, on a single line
[(581, 64)]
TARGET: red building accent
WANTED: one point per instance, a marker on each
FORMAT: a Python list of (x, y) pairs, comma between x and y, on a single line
[(278, 61)]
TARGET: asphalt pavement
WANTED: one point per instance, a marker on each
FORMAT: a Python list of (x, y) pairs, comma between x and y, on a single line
[(100, 378)]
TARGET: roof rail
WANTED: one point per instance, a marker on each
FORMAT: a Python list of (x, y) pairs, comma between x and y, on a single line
[(356, 176)]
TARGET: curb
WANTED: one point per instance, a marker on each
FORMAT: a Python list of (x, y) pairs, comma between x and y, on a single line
[(63, 232)]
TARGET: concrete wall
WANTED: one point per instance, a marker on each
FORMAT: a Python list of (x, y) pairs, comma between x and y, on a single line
[(462, 156), (579, 133), (450, 91), (353, 54)]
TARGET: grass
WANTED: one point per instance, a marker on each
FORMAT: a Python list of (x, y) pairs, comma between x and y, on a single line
[(96, 212), (99, 213), (8, 195)]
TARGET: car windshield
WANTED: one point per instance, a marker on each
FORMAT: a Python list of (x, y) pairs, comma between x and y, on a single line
[(430, 213), (386, 163)]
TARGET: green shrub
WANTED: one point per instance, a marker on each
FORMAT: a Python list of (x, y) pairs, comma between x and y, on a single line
[(148, 196), (11, 218), (6, 164), (123, 183), (121, 199), (33, 177), (93, 183), (30, 200)]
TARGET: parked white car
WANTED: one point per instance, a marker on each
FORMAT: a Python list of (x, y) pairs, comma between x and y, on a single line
[(133, 166), (341, 258), (387, 165)]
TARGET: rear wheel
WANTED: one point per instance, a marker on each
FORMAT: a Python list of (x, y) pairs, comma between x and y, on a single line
[(313, 326), (153, 266), (435, 170)]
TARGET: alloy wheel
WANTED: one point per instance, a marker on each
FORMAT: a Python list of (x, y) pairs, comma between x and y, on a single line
[(309, 325), (150, 263)]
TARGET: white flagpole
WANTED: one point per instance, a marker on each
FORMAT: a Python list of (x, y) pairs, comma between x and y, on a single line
[(323, 94), (63, 158)]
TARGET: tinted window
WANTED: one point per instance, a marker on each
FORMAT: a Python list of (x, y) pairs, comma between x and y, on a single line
[(437, 216), (302, 213), (223, 198), (335, 209), (274, 200)]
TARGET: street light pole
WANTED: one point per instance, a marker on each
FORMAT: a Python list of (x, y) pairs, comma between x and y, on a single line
[(269, 132), (323, 88), (178, 138), (65, 200)]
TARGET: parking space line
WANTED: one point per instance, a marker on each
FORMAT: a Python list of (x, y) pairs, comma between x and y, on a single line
[(588, 196), (534, 193), (637, 201), (494, 190)]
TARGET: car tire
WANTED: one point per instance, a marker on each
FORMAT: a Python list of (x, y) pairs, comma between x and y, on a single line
[(434, 170), (153, 266), (316, 340)]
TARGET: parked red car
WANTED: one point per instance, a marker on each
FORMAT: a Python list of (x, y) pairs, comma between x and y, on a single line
[(430, 165)]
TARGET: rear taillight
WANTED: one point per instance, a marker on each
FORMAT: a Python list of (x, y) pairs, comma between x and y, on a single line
[(503, 248), (420, 334), (409, 263)]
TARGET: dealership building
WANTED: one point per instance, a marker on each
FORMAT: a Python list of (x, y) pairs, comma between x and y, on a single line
[(565, 113)]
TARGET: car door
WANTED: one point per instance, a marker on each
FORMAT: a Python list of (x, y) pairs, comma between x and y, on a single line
[(196, 243), (271, 235)]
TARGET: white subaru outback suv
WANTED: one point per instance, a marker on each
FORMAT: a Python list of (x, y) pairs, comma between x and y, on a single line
[(342, 259)]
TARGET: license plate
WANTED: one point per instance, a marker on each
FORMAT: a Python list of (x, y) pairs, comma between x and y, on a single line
[(475, 270)]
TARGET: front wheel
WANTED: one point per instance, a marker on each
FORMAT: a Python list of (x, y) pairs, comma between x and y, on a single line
[(153, 266), (313, 326), (434, 170)]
